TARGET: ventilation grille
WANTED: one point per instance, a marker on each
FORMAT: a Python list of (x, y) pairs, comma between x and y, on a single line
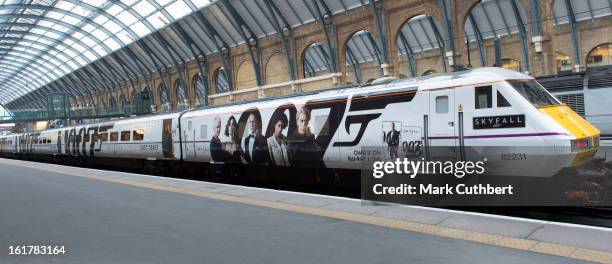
[(572, 83), (600, 81), (574, 101)]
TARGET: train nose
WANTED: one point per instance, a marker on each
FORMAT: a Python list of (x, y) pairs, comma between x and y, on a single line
[(586, 140)]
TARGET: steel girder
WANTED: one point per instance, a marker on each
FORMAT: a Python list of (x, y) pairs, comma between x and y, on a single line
[(536, 17), (572, 21), (523, 34), (440, 41), (56, 21), (378, 13), (287, 39), (479, 40), (250, 39), (326, 18), (448, 19), (409, 54)]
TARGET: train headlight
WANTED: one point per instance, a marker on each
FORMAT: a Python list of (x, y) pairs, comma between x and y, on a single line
[(580, 144)]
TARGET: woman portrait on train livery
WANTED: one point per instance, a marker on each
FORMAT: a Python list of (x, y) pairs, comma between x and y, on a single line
[(277, 143), (232, 145), (217, 153), (302, 146)]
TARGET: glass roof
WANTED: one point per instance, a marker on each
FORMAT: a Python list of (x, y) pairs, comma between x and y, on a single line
[(89, 47), (43, 40), (582, 9)]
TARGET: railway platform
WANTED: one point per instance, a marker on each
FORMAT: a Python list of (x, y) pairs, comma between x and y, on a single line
[(116, 217)]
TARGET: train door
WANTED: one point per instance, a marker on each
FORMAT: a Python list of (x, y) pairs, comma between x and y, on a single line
[(189, 141), (167, 138), (442, 124)]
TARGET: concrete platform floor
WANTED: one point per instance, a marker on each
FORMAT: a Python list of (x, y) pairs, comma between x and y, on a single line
[(112, 217)]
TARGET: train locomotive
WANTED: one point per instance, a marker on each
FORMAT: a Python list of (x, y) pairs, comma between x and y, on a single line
[(492, 111)]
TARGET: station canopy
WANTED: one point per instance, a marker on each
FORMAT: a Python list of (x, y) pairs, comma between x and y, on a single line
[(83, 46)]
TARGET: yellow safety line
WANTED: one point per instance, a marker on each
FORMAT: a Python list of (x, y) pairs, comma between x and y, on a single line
[(479, 237)]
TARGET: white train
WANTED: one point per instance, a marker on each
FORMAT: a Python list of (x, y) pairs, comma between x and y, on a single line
[(501, 115)]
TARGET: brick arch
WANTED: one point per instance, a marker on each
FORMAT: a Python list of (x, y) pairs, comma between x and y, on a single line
[(345, 41), (462, 15), (302, 58), (245, 75), (398, 19), (367, 70), (593, 49), (276, 70), (215, 79), (193, 82), (403, 68)]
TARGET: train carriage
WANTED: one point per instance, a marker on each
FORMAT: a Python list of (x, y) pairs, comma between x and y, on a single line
[(491, 112)]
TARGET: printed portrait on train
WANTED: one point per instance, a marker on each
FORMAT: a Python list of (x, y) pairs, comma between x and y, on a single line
[(253, 142), (391, 137), (276, 134), (302, 146), (232, 151), (217, 152)]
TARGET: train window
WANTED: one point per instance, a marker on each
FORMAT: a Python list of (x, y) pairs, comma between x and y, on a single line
[(203, 131), (104, 137), (125, 135), (483, 97), (501, 100), (86, 138), (442, 104), (534, 93), (95, 138), (114, 136), (138, 134)]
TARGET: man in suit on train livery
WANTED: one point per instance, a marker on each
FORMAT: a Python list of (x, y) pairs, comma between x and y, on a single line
[(392, 141), (254, 144)]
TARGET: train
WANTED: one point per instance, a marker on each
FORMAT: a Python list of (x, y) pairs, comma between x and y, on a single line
[(588, 94), (501, 116)]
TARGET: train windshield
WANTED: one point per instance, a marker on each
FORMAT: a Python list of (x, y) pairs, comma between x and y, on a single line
[(534, 93)]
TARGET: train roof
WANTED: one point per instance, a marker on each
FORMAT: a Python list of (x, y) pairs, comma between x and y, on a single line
[(478, 75), (467, 77)]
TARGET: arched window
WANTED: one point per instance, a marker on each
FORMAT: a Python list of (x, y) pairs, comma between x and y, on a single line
[(600, 56), (135, 103), (148, 100), (133, 97), (90, 100), (563, 62), (511, 64), (182, 101), (199, 88), (221, 81), (111, 102), (164, 98), (583, 10), (122, 100), (495, 19), (316, 60), (419, 34), (429, 72), (362, 55)]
